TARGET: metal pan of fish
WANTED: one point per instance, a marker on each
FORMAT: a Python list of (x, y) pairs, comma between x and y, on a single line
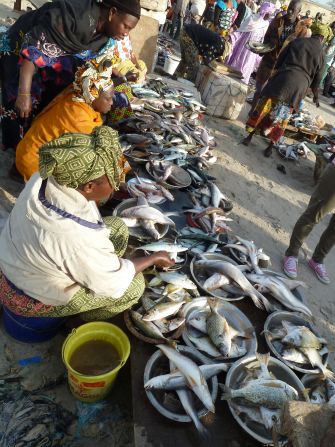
[(200, 277), (244, 412), (320, 389), (194, 334), (167, 402), (139, 232), (142, 155), (170, 175), (288, 353)]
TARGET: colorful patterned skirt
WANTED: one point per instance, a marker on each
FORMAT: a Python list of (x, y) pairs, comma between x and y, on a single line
[(84, 302), (270, 117), (121, 108), (190, 63)]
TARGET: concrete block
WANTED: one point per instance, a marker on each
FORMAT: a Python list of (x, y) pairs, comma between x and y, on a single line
[(154, 5), (144, 40)]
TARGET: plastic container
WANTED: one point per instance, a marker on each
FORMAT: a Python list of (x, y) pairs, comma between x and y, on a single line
[(171, 63), (94, 388), (30, 329)]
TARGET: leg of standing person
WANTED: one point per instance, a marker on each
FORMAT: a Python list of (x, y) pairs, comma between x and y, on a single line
[(189, 64), (179, 27), (321, 203), (173, 25), (329, 80)]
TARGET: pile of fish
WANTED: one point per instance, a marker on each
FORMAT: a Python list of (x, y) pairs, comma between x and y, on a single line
[(198, 241), (154, 192), (225, 275), (145, 216), (189, 381), (169, 174), (216, 337), (260, 396), (298, 344), (247, 253), (321, 390), (157, 317)]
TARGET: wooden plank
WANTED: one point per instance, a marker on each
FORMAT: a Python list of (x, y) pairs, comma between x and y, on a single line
[(38, 3)]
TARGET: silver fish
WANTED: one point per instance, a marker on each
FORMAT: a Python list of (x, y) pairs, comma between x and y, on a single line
[(147, 213), (293, 355), (149, 227), (218, 329), (252, 252), (317, 396), (204, 344), (186, 399), (192, 373), (301, 336), (163, 246), (162, 310), (177, 279), (270, 393), (228, 269), (176, 380), (215, 281), (279, 291), (147, 327)]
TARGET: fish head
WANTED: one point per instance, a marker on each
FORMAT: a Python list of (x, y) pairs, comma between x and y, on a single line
[(292, 339)]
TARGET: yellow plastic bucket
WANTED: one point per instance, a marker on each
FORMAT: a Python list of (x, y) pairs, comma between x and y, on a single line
[(94, 388)]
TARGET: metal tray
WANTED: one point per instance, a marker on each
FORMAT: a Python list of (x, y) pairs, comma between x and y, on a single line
[(158, 361), (234, 316), (273, 321), (140, 233), (199, 279), (236, 375)]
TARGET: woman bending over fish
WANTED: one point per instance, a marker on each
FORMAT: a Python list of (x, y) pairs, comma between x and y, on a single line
[(78, 109), (58, 257)]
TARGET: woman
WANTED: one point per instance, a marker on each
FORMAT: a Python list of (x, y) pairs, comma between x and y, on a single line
[(299, 68), (57, 255), (224, 15), (208, 15), (252, 30), (45, 44), (197, 42), (78, 109)]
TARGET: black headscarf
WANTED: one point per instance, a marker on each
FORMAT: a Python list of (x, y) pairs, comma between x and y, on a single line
[(131, 7), (61, 27)]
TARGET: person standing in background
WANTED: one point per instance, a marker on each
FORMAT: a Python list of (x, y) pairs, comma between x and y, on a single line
[(179, 11)]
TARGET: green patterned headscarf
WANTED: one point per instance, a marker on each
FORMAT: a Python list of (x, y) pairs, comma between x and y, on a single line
[(75, 159), (321, 29)]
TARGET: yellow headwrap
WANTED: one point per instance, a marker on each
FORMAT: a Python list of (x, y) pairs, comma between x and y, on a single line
[(92, 79)]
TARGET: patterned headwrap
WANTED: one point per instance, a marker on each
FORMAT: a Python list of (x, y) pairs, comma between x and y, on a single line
[(321, 29), (75, 159), (92, 79)]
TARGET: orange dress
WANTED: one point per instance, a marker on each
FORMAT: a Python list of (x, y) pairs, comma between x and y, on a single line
[(62, 115)]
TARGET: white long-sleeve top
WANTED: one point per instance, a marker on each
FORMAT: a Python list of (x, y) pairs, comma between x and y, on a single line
[(49, 257)]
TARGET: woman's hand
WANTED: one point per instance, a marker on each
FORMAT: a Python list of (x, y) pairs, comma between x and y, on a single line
[(24, 105), (162, 259)]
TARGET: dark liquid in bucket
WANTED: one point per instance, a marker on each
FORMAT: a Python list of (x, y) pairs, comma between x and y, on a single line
[(95, 357)]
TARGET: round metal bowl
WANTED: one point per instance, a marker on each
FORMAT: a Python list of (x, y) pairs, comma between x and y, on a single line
[(259, 50), (139, 232), (200, 278), (159, 364), (134, 181), (235, 317), (183, 176), (153, 341), (235, 377), (274, 321), (129, 154)]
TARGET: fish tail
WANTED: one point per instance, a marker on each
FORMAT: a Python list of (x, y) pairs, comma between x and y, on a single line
[(263, 358), (172, 343), (327, 374), (266, 303), (226, 392), (248, 332), (257, 301)]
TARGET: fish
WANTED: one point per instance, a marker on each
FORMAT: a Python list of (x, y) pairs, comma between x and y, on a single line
[(330, 388), (149, 227), (178, 279), (215, 282), (293, 355), (192, 374), (172, 325), (270, 417), (263, 360), (218, 328), (176, 380), (147, 213), (205, 345), (270, 393), (279, 291), (301, 336), (237, 351), (261, 415), (162, 310), (186, 399), (148, 328), (163, 246), (228, 269), (252, 252), (199, 323)]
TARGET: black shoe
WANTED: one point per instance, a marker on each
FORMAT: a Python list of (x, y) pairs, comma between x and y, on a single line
[(267, 152)]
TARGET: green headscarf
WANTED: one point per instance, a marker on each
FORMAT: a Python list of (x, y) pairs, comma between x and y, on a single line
[(321, 29), (75, 159)]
